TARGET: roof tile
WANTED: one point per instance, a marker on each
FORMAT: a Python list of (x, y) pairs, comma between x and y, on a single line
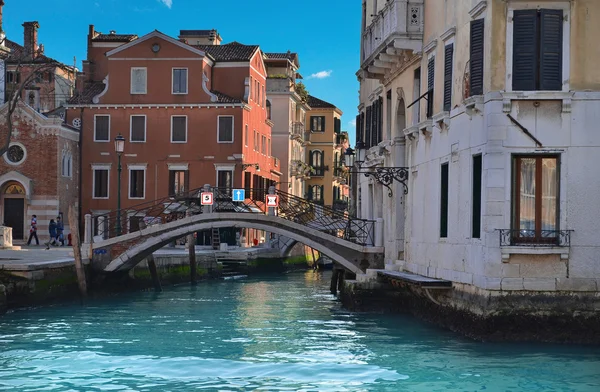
[(233, 51), (317, 103), (86, 96)]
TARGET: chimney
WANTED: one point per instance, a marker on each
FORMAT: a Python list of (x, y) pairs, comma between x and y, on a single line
[(30, 41)]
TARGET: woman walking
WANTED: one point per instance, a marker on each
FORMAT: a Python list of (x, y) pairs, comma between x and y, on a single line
[(52, 230)]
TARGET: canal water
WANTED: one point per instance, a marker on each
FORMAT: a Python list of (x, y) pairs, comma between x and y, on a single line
[(270, 334)]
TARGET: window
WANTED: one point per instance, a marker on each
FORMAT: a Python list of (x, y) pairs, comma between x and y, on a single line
[(180, 81), (138, 129), (178, 182), (448, 62), (537, 50), (337, 125), (225, 180), (67, 164), (315, 193), (138, 80), (137, 179), (178, 129), (476, 61), (246, 136), (535, 198), (269, 147), (263, 145), (255, 140), (317, 123), (248, 183), (315, 160), (430, 85), (101, 128), (100, 185), (259, 89), (268, 109), (225, 129), (444, 202), (476, 212)]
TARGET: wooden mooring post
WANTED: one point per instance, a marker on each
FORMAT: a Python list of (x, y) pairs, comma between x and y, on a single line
[(191, 242), (74, 227), (154, 273), (334, 281)]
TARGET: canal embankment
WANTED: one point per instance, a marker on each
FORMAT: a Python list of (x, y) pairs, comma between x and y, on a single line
[(35, 276)]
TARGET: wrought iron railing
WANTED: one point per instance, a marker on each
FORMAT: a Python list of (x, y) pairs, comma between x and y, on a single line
[(535, 238), (292, 208)]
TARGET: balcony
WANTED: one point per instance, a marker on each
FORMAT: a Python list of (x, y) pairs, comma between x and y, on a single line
[(276, 162), (395, 30), (298, 132)]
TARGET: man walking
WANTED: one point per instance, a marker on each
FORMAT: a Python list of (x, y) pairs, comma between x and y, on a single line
[(59, 231), (33, 231)]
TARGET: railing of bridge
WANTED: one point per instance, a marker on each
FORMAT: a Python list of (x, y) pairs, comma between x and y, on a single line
[(292, 208)]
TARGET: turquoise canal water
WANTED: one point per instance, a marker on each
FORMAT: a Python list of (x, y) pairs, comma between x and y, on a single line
[(283, 333)]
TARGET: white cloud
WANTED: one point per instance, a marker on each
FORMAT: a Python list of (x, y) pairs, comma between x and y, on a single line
[(352, 123), (321, 75), (168, 3)]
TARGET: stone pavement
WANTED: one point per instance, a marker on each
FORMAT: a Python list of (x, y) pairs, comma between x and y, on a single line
[(31, 258)]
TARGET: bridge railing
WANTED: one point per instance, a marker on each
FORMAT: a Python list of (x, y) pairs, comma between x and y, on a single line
[(293, 208)]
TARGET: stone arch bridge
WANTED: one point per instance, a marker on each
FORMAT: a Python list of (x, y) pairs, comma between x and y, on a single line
[(116, 242)]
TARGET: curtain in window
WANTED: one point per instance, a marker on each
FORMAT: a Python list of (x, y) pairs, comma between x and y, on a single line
[(549, 195), (527, 197)]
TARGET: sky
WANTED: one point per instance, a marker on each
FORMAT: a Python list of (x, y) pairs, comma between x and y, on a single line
[(324, 33)]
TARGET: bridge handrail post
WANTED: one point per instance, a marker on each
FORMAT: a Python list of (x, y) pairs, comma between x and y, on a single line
[(87, 227), (271, 210), (208, 209)]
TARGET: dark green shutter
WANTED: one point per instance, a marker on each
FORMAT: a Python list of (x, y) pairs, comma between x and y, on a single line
[(430, 85), (358, 129), (310, 193), (444, 202), (476, 212), (310, 158), (551, 42), (322, 124), (476, 62), (448, 62), (525, 52), (322, 192), (367, 139)]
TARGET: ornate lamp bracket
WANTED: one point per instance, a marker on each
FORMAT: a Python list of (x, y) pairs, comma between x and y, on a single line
[(387, 175)]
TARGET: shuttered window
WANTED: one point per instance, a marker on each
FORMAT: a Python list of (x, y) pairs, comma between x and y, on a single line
[(430, 85), (178, 129), (537, 50), (138, 129), (225, 130), (367, 140), (137, 178), (101, 128), (448, 62), (476, 62), (444, 202), (180, 85)]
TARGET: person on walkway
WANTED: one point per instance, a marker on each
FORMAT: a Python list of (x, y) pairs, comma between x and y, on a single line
[(52, 230), (33, 231), (60, 231)]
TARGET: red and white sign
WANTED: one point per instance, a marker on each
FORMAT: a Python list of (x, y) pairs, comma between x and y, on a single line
[(206, 198), (272, 200)]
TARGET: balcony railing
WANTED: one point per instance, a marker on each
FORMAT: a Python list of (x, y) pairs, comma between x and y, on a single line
[(319, 171), (298, 131), (397, 27), (535, 238)]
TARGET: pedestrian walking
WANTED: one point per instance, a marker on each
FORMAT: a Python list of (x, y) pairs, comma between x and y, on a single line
[(52, 230), (33, 231), (60, 228)]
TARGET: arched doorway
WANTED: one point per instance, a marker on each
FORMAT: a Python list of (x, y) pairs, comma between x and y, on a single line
[(13, 208), (400, 117)]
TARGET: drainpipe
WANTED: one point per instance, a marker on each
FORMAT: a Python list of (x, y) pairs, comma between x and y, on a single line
[(79, 202)]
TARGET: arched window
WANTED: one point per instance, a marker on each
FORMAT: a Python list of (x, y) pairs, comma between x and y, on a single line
[(316, 162), (315, 193), (268, 109), (31, 99), (67, 164)]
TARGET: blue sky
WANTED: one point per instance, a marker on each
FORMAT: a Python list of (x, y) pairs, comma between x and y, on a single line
[(325, 33)]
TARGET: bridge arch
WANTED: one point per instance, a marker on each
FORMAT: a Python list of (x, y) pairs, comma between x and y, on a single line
[(353, 257)]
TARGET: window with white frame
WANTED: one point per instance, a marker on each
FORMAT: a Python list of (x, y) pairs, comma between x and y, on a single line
[(137, 182), (178, 129), (180, 81), (138, 129), (100, 184), (246, 136), (67, 164), (101, 128), (225, 129), (139, 79)]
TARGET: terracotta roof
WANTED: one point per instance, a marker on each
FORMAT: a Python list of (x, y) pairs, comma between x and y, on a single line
[(315, 102), (281, 56), (88, 93), (18, 52), (226, 98), (115, 37), (233, 51)]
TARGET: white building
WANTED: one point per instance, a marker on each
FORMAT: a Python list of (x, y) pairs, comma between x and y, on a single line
[(501, 159)]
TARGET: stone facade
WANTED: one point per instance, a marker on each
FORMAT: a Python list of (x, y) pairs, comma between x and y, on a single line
[(467, 227)]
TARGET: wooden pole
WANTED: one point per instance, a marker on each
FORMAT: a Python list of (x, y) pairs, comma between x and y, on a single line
[(192, 254), (154, 273), (74, 227), (334, 279)]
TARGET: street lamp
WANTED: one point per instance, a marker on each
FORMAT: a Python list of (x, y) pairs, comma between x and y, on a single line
[(384, 175), (119, 147)]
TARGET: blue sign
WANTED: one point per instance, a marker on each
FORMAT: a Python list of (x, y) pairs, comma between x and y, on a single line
[(239, 195)]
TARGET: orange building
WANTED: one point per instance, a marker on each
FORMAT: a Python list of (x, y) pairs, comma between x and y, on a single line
[(192, 111)]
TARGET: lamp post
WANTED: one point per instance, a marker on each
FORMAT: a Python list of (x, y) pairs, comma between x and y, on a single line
[(384, 175), (119, 147)]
